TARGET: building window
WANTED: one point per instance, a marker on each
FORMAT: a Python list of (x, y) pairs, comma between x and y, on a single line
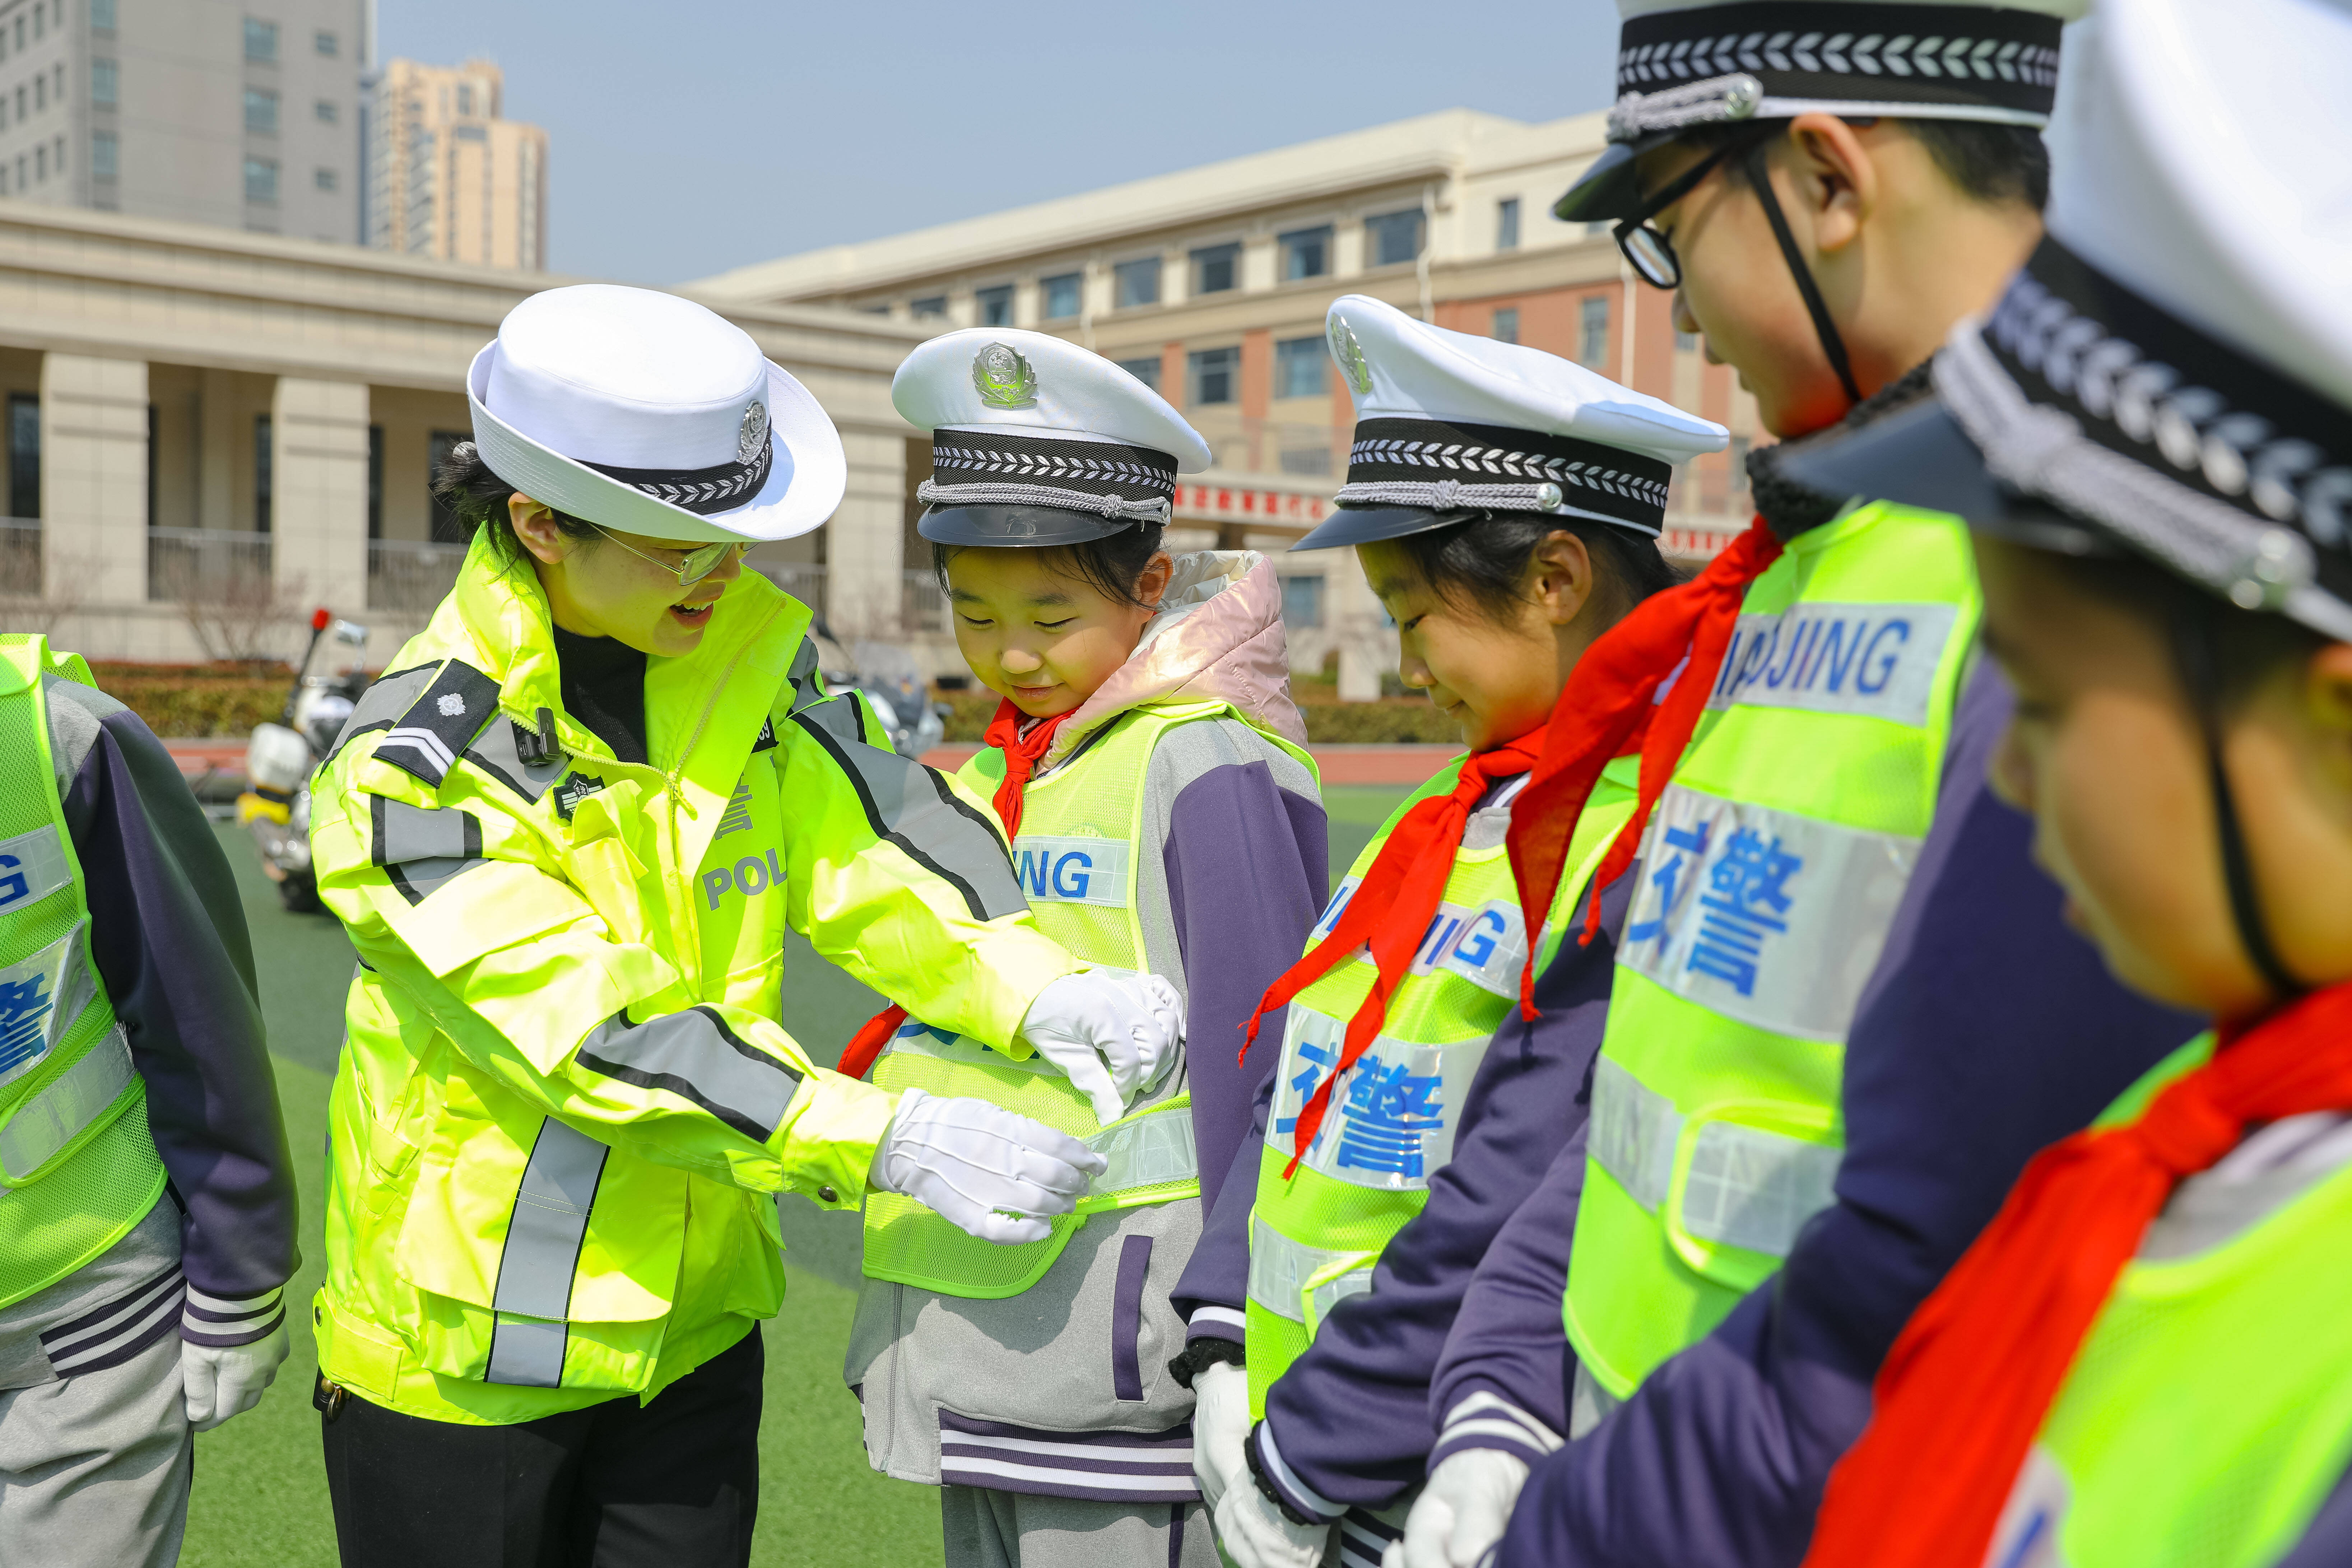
[(260, 180), (1216, 269), (375, 481), (260, 112), (995, 306), (1061, 296), (41, 91), (24, 455), (935, 305), (324, 179), (102, 83), (1299, 365), (1302, 601), (1506, 223), (327, 111), (326, 43), (1505, 327), (1136, 283), (41, 161), (1393, 237), (262, 469), (260, 42), (1214, 373), (1306, 253), (101, 14), (446, 528), (1146, 371), (1686, 341), (1592, 331), (104, 155)]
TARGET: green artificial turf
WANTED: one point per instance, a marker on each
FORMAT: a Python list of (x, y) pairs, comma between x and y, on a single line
[(260, 1498)]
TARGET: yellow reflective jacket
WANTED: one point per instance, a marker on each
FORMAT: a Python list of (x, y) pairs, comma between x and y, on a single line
[(565, 1098)]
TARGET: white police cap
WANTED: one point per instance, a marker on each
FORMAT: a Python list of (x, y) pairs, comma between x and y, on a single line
[(1681, 65), (1449, 424), (1036, 441), (2171, 371), (652, 414)]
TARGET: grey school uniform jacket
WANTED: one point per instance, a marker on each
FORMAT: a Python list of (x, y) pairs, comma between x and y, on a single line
[(1063, 1390)]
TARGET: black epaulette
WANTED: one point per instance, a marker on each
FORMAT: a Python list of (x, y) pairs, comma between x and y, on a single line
[(767, 738), (441, 723)]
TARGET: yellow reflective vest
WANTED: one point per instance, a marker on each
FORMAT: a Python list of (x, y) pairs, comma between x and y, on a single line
[(566, 1100)]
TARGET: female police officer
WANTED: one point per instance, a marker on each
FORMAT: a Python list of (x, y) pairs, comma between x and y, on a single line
[(566, 833)]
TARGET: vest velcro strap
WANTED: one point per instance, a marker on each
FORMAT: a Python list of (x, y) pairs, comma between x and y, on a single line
[(41, 1126), (1743, 1186), (1282, 1271), (41, 998)]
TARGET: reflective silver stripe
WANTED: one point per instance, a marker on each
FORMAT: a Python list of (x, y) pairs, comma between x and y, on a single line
[(542, 1253), (380, 707), (696, 1056), (1748, 1187), (1151, 1150), (50, 1120), (1331, 1293), (1873, 661), (494, 750), (40, 998), (32, 867), (1279, 1268), (912, 806), (421, 851), (1755, 1189), (837, 712), (1633, 1134)]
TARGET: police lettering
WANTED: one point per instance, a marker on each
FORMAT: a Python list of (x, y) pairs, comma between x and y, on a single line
[(750, 875), (1877, 660)]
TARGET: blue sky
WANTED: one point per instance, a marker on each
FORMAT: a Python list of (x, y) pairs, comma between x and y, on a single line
[(690, 137)]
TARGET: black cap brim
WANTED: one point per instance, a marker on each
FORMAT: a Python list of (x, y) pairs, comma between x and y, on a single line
[(1921, 457), (1368, 524), (1016, 527), (1611, 188)]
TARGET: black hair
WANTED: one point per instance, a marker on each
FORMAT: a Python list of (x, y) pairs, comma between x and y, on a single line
[(1112, 565), (478, 498), (1997, 165), (1481, 564)]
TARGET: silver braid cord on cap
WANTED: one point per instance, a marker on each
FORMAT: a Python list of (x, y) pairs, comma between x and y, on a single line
[(1450, 495), (2044, 452), (1154, 508)]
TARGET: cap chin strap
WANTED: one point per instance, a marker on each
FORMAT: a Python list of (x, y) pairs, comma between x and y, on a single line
[(1833, 345), (2194, 644)]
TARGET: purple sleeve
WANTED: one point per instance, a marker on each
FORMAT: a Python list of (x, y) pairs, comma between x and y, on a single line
[(2326, 1540), (1507, 1344), (1214, 1286), (1988, 1031), (1247, 873), (1350, 1417), (168, 934)]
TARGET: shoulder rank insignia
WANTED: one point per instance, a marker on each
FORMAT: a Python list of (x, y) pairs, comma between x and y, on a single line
[(441, 723)]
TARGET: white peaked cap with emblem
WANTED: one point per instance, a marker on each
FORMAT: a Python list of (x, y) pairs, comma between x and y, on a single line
[(1448, 424), (652, 414), (1036, 441), (2170, 372)]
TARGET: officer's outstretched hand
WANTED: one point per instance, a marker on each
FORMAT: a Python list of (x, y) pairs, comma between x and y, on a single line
[(222, 1381), (990, 1173), (1111, 1032), (1461, 1513)]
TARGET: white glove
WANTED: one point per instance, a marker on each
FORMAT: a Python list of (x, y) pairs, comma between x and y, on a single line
[(1255, 1534), (222, 1381), (1221, 1424), (1111, 1033), (967, 1160), (1461, 1513)]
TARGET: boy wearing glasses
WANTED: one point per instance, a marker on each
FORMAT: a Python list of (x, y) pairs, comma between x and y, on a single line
[(1833, 1050)]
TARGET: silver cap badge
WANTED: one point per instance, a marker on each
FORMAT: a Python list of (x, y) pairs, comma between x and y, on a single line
[(754, 433), (1350, 355), (1003, 378)]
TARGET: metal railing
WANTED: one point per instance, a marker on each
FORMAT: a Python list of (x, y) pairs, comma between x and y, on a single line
[(922, 606), (20, 558), (411, 574), (207, 565)]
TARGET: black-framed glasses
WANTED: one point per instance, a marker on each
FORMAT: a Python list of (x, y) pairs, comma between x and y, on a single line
[(689, 568), (1651, 253)]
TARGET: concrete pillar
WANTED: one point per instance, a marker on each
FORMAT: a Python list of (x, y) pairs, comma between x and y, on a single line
[(218, 442), (94, 478), (865, 544), (1355, 617), (319, 485)]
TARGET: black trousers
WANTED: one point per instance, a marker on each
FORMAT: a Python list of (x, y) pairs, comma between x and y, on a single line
[(674, 1483)]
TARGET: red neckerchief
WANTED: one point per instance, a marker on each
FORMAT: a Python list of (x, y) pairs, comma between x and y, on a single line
[(1022, 755), (1391, 910), (1610, 706), (1968, 1385)]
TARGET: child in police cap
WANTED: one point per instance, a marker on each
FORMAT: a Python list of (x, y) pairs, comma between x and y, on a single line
[(1145, 762), (2146, 1359)]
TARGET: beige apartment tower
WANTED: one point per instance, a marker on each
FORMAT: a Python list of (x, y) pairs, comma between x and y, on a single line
[(449, 179)]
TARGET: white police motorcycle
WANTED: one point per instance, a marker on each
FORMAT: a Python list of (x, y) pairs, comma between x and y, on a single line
[(280, 760)]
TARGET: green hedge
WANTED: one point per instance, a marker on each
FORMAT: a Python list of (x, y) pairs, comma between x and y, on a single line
[(192, 700), (1392, 721)]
